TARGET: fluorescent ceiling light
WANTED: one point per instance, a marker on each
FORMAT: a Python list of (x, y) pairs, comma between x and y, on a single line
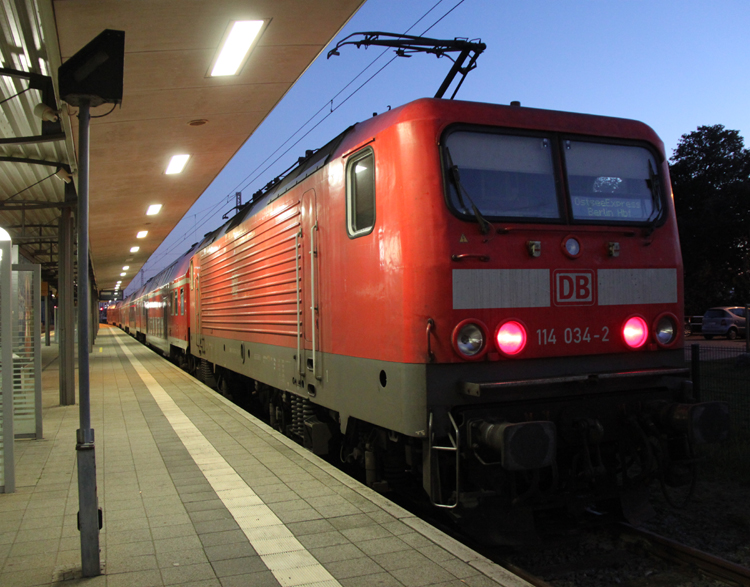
[(153, 209), (122, 274), (177, 164), (141, 234), (126, 267), (236, 47), (134, 249)]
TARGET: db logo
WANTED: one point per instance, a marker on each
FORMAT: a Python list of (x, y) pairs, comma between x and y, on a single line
[(574, 288)]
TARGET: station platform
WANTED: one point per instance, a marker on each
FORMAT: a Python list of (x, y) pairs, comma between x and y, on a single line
[(196, 492)]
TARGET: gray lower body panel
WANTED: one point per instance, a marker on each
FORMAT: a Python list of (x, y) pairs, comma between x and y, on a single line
[(391, 395)]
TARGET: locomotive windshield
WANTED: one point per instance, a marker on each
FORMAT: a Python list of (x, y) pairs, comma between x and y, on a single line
[(513, 177)]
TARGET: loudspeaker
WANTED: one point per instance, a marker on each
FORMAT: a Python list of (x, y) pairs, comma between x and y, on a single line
[(95, 72)]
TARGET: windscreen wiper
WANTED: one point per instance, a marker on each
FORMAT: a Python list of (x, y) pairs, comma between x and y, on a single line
[(484, 225)]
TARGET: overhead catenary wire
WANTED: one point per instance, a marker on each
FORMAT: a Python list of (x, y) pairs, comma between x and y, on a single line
[(329, 103)]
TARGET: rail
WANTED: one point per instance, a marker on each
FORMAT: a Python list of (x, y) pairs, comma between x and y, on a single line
[(682, 554)]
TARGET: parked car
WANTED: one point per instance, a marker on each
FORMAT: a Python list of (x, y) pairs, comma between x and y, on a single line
[(726, 321)]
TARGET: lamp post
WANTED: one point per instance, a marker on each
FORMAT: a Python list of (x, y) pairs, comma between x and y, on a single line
[(92, 77)]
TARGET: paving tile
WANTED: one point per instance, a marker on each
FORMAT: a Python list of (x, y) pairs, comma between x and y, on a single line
[(227, 551), (300, 515), (375, 580), (184, 574), (133, 523), (207, 515), (382, 545), (150, 578), (260, 579), (169, 520), (212, 526), (348, 522), (180, 543), (322, 540), (310, 527), (220, 538), (238, 566), (26, 578), (392, 561), (162, 532), (427, 574), (416, 540), (354, 568), (366, 533), (198, 496), (36, 547), (130, 549), (128, 536), (130, 564), (338, 552), (30, 561), (458, 568), (7, 537)]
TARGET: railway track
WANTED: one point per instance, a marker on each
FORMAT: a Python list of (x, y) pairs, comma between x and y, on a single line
[(633, 557), (707, 564)]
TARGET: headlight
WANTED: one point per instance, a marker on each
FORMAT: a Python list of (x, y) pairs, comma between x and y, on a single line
[(665, 330), (470, 339)]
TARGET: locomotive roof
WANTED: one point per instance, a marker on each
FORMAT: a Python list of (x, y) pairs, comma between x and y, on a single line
[(447, 112)]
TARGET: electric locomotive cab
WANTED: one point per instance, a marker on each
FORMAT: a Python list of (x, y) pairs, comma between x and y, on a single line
[(567, 384)]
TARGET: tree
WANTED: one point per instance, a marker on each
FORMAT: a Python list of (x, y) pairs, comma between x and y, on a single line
[(710, 171)]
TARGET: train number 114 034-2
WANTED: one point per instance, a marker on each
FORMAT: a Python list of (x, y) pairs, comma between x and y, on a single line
[(572, 336)]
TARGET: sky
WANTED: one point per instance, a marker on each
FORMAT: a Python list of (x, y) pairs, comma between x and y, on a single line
[(672, 64)]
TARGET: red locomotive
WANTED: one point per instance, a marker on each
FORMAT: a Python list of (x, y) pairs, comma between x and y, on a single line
[(488, 297)]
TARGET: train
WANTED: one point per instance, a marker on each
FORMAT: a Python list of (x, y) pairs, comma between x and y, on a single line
[(481, 301)]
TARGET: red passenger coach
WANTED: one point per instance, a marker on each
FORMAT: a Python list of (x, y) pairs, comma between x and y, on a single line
[(486, 297)]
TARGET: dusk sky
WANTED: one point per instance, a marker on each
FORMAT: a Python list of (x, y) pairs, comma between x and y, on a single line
[(674, 65)]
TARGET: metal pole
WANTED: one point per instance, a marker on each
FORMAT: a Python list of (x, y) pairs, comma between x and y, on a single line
[(64, 327), (47, 317), (88, 514)]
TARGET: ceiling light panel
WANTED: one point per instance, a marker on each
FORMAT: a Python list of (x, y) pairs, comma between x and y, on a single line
[(142, 234), (236, 47), (177, 164), (153, 209)]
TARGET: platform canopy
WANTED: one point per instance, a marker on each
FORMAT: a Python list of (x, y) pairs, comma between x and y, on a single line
[(171, 105)]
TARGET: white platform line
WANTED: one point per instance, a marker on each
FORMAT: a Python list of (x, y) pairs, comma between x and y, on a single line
[(277, 547)]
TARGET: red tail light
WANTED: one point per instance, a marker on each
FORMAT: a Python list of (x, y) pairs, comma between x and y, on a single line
[(635, 332), (510, 337)]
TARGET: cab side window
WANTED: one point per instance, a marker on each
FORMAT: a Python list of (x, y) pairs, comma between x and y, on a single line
[(360, 193)]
